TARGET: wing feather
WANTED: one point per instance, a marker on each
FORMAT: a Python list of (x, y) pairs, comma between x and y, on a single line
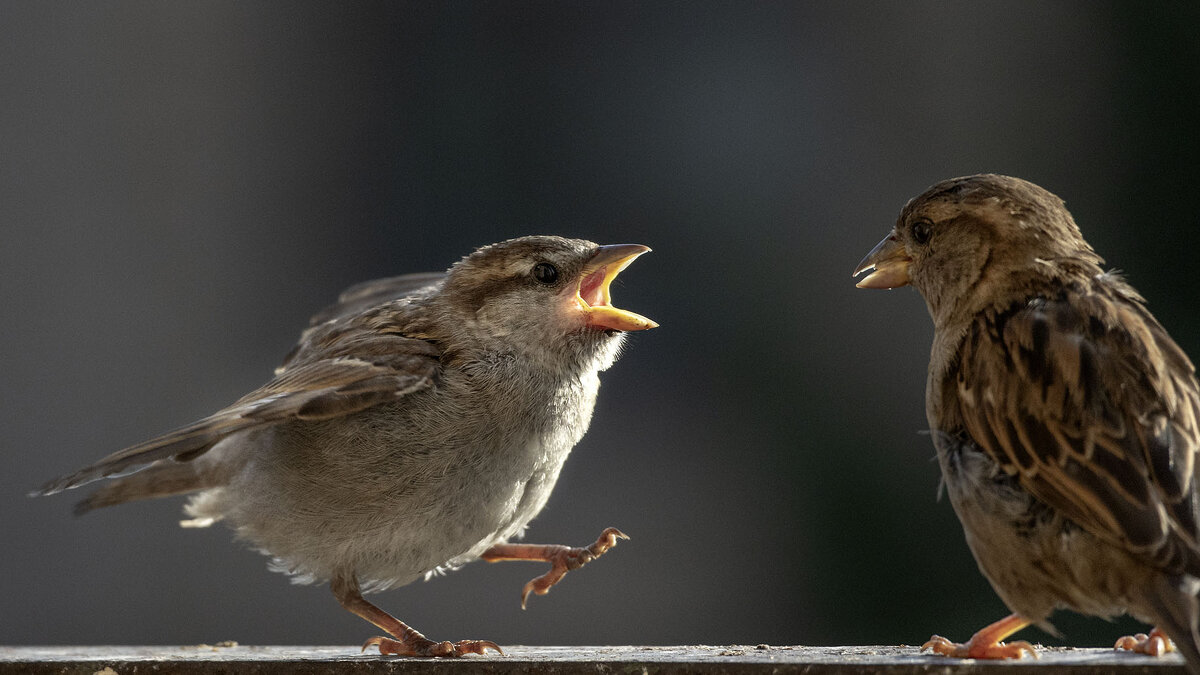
[(1096, 417), (355, 368), (368, 294)]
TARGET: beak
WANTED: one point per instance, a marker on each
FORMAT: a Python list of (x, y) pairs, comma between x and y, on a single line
[(890, 262), (592, 292)]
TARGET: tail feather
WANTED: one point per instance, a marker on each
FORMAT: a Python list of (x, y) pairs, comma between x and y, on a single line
[(1177, 609), (161, 479), (186, 443)]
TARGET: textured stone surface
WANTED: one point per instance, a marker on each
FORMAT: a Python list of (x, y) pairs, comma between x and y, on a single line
[(563, 660)]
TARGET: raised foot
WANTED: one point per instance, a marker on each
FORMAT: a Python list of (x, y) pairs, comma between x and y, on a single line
[(1155, 644), (562, 559), (426, 647), (979, 650)]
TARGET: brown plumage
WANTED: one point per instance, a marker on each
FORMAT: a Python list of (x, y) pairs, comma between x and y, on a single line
[(1063, 414), (419, 424)]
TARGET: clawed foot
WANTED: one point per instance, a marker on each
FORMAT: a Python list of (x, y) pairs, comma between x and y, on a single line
[(425, 647), (562, 559), (1155, 644), (986, 643), (411, 642), (566, 559), (979, 650)]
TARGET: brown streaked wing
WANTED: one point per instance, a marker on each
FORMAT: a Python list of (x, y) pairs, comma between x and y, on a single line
[(1092, 405), (367, 294), (320, 388)]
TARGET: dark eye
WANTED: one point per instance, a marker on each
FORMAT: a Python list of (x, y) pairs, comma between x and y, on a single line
[(921, 231), (545, 273)]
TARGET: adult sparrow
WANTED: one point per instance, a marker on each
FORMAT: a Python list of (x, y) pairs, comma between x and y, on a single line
[(419, 424), (1063, 415)]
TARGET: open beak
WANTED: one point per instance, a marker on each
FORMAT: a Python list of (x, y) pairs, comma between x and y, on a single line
[(890, 262), (592, 292)]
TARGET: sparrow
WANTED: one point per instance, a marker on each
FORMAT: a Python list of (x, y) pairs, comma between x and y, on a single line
[(1063, 415), (419, 424)]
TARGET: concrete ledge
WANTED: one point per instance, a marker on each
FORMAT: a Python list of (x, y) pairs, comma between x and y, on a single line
[(237, 660)]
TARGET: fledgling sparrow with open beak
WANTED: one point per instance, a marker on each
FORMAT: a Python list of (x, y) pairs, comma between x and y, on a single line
[(419, 424), (1063, 415)]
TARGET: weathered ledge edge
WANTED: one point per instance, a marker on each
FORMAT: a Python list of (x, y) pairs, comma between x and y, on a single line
[(268, 660)]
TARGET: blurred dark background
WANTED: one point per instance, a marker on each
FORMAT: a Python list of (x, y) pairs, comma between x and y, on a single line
[(182, 184)]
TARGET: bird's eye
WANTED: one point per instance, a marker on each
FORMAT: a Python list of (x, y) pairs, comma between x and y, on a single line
[(921, 231), (545, 273)]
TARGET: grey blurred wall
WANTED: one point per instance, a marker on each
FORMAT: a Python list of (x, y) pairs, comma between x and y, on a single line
[(181, 184)]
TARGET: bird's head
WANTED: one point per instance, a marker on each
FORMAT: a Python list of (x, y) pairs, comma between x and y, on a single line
[(545, 293), (965, 238)]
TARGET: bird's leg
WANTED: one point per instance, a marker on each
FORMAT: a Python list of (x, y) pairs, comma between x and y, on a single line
[(986, 644), (561, 558), (409, 641), (1155, 644)]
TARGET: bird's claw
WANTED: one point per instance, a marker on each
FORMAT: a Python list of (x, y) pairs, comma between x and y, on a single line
[(1155, 644), (971, 650), (607, 539), (565, 559), (429, 648)]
